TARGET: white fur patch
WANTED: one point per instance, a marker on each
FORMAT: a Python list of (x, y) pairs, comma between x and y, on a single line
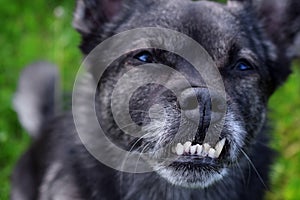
[(58, 186)]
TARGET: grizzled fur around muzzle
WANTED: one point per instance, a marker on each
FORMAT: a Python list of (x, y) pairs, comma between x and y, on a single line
[(252, 44)]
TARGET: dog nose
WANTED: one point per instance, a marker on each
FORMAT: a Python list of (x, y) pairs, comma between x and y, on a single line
[(201, 105)]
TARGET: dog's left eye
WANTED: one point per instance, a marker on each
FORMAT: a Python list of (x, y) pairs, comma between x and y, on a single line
[(144, 56), (243, 66)]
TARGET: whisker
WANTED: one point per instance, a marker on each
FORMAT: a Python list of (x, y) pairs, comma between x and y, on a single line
[(140, 157), (134, 123), (138, 140), (131, 149), (254, 168), (241, 172)]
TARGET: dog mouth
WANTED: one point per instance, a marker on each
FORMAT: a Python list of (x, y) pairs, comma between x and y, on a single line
[(191, 161), (195, 153), (199, 151), (201, 156), (196, 165)]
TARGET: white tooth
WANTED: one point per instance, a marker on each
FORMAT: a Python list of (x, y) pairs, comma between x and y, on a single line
[(199, 149), (206, 148), (212, 153), (179, 149), (193, 149), (219, 147), (187, 146)]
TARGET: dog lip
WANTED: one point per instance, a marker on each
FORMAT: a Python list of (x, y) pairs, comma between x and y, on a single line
[(196, 159), (196, 162), (202, 162)]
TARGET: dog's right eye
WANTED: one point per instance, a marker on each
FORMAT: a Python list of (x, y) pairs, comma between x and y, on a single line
[(243, 66), (144, 56)]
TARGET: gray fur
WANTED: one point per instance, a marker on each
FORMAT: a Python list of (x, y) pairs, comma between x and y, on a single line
[(37, 96), (261, 33)]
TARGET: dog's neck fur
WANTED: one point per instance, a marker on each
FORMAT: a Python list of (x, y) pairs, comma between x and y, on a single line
[(243, 181), (158, 188)]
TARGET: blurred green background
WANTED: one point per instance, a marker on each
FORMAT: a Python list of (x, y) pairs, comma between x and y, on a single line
[(41, 30)]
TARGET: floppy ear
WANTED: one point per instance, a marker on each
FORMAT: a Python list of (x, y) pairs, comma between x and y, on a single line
[(90, 15)]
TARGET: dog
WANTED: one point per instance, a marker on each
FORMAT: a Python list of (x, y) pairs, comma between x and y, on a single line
[(250, 43)]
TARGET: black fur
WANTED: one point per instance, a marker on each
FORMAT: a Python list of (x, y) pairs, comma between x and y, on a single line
[(261, 34)]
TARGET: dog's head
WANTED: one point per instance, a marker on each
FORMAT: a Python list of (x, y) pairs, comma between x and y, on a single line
[(252, 44)]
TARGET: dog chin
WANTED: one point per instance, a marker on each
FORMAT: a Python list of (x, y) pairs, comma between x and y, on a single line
[(192, 178)]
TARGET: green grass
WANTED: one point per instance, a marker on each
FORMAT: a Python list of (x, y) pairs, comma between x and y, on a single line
[(285, 113), (30, 31)]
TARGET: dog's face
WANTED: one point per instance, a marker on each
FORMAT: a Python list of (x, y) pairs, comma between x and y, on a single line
[(246, 58)]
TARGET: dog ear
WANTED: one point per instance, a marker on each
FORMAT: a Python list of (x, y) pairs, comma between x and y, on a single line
[(281, 22), (240, 1), (234, 3), (90, 15)]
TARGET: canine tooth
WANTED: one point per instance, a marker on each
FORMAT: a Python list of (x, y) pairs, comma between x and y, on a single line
[(212, 153), (187, 147), (219, 147), (179, 149), (199, 149), (193, 149), (206, 147)]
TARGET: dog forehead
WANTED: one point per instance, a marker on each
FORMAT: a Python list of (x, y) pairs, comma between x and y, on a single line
[(211, 24)]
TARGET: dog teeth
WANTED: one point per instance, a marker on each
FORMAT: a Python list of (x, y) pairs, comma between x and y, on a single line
[(200, 150), (206, 148), (187, 147), (212, 153), (179, 149), (219, 147), (193, 149)]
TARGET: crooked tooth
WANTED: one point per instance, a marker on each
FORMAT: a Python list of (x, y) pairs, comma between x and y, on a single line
[(206, 148), (212, 153), (179, 149), (219, 147), (199, 149), (187, 147), (193, 149)]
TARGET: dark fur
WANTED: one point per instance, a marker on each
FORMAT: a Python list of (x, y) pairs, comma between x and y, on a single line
[(261, 32)]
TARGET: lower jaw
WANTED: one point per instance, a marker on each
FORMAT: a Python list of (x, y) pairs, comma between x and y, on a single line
[(197, 177), (204, 163)]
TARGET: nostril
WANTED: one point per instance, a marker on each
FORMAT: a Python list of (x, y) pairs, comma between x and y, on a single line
[(218, 107), (218, 103), (188, 100), (194, 104), (199, 103), (190, 103)]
